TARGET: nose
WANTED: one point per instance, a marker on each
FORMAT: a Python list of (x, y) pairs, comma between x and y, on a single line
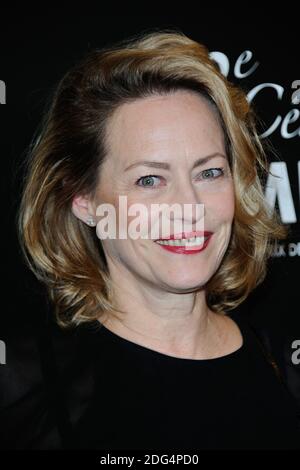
[(187, 198)]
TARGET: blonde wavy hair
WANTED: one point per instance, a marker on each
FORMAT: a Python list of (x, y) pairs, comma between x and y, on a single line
[(68, 150)]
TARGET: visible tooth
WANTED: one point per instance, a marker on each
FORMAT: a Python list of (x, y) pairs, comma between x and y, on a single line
[(196, 241), (183, 242), (175, 242)]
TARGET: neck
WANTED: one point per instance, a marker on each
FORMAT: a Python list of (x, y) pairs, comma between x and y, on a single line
[(176, 324)]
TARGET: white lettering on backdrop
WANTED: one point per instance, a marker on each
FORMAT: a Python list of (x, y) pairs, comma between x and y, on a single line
[(278, 122), (278, 185)]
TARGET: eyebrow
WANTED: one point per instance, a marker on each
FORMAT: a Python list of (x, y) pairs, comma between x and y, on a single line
[(166, 166)]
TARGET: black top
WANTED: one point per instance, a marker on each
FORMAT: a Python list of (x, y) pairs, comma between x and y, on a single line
[(93, 389)]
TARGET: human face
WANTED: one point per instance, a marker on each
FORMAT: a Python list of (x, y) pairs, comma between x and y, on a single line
[(177, 129)]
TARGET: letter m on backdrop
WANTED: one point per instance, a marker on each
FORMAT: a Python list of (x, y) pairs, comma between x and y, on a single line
[(2, 352), (2, 92)]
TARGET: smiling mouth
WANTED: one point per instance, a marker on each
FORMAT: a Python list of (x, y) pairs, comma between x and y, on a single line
[(195, 239)]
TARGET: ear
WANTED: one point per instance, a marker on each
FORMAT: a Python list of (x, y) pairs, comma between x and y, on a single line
[(83, 209)]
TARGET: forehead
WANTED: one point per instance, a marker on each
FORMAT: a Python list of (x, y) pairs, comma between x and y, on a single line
[(183, 120)]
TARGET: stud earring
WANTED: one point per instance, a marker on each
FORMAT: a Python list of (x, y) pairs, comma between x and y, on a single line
[(91, 221)]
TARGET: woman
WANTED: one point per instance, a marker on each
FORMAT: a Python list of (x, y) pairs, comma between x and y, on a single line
[(159, 357)]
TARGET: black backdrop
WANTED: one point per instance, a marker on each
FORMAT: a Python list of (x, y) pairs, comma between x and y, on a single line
[(35, 51)]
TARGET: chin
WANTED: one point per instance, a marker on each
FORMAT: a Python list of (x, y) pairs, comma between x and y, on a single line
[(187, 283)]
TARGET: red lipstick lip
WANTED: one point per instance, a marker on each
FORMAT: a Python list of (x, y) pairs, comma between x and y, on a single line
[(186, 250), (180, 236)]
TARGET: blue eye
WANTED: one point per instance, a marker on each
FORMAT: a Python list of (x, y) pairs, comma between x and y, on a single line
[(148, 179), (209, 173)]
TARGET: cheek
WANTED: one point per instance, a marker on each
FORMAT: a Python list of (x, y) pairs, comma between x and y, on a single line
[(220, 205), (133, 218), (138, 218)]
